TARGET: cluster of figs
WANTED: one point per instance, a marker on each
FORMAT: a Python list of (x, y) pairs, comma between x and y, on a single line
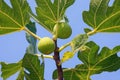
[(61, 30)]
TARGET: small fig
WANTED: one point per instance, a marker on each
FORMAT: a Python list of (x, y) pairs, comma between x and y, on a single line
[(46, 45), (62, 30)]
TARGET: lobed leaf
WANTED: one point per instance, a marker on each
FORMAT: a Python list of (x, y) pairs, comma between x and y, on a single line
[(10, 69), (94, 62), (102, 17), (15, 17), (48, 12), (34, 70)]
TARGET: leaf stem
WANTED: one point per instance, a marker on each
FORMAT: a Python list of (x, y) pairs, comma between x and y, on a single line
[(31, 33), (45, 56), (91, 32), (57, 61), (64, 46)]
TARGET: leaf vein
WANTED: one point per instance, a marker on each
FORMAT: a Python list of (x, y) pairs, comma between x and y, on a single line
[(11, 18)]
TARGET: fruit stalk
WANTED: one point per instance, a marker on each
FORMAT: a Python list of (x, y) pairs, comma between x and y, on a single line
[(57, 61)]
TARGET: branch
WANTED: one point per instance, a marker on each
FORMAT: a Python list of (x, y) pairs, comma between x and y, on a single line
[(57, 61)]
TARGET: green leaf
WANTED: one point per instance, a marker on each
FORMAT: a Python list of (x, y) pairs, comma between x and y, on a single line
[(87, 30), (72, 74), (10, 69), (49, 13), (13, 18), (21, 75), (69, 74), (78, 41), (34, 70), (94, 62), (103, 18), (27, 76), (31, 40), (106, 60)]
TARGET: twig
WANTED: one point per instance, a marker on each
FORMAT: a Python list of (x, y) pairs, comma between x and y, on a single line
[(57, 61)]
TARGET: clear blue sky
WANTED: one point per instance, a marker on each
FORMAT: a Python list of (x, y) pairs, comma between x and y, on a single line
[(13, 46)]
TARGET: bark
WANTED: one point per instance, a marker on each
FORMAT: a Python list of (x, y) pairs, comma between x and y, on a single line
[(57, 61)]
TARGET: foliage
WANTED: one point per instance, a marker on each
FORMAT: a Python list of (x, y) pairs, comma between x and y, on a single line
[(13, 18), (7, 71), (55, 12), (103, 18), (100, 18), (93, 62)]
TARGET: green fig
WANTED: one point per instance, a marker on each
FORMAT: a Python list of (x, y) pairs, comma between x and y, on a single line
[(62, 30), (46, 45)]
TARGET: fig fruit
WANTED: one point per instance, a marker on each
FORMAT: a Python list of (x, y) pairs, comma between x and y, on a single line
[(46, 45), (62, 30)]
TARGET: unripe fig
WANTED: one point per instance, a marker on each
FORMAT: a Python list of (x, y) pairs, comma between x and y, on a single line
[(46, 45), (62, 30)]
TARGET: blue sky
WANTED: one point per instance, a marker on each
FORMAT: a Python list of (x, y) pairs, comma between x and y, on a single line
[(13, 46)]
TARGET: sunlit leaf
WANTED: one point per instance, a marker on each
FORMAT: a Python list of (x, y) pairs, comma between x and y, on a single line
[(102, 17), (94, 62), (34, 70), (31, 40), (66, 56), (48, 12), (78, 41), (15, 17), (10, 69)]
